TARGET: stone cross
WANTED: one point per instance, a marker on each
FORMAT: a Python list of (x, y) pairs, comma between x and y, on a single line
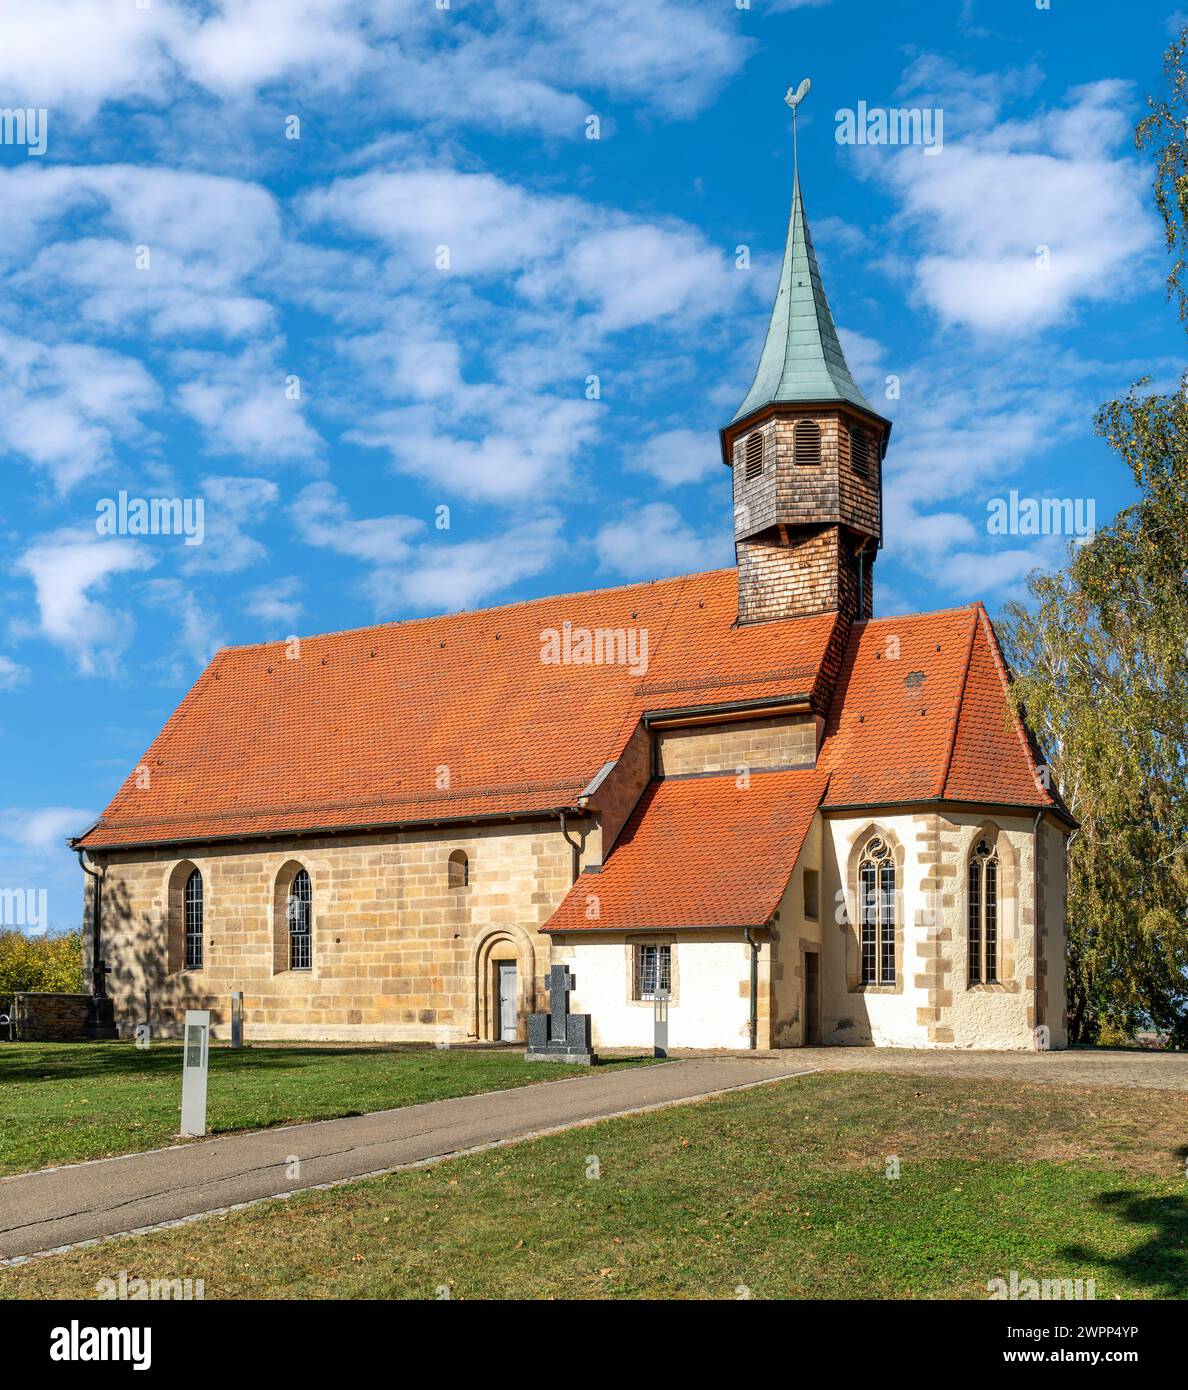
[(560, 983)]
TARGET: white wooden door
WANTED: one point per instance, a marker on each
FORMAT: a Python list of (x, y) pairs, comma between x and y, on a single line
[(507, 1001)]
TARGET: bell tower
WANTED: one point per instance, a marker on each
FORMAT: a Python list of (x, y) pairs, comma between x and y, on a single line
[(806, 453)]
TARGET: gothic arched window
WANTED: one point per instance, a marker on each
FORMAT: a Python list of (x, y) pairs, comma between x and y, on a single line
[(983, 914), (300, 922), (193, 921), (876, 913), (458, 870), (806, 442)]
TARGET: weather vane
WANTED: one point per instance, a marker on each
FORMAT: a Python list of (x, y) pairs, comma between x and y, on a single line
[(793, 99)]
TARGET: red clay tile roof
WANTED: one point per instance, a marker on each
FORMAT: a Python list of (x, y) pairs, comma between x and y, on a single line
[(699, 852), (993, 758), (920, 712), (358, 729), (458, 717)]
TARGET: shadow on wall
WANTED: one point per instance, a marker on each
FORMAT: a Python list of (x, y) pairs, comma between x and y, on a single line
[(138, 979)]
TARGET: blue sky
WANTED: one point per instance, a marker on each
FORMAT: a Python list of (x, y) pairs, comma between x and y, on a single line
[(418, 387)]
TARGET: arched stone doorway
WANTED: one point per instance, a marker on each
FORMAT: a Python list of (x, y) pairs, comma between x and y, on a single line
[(504, 985)]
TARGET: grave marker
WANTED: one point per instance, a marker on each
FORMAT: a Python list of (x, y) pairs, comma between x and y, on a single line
[(559, 1036)]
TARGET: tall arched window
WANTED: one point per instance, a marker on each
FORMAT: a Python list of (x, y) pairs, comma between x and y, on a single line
[(983, 914), (806, 442), (876, 913), (193, 921), (458, 870), (300, 922)]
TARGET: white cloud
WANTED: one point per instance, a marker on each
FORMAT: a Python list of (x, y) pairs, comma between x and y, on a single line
[(206, 237), (489, 226), (654, 541), (430, 576), (529, 446), (323, 519), (229, 505), (197, 627), (76, 54), (42, 831), (245, 409), (507, 65), (578, 274), (275, 604), (12, 674), (443, 576), (64, 407), (635, 273), (1019, 222), (678, 456), (70, 569)]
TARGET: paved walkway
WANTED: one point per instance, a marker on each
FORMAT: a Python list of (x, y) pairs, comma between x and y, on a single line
[(87, 1201), (1166, 1071)]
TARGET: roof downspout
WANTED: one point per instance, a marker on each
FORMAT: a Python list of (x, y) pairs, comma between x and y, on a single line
[(574, 845), (753, 1016), (98, 974), (863, 615)]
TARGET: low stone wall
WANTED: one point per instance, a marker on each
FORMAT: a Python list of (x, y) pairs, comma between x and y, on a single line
[(50, 1017)]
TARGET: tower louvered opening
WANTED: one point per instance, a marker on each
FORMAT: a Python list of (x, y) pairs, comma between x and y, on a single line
[(753, 456), (860, 452), (806, 442)]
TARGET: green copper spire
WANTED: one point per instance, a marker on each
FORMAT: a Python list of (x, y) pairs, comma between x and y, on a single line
[(802, 359)]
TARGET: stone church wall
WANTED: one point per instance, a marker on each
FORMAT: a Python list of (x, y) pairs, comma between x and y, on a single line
[(397, 953), (790, 741), (932, 1003)]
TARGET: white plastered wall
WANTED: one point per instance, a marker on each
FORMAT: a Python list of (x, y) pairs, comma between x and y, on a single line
[(711, 987)]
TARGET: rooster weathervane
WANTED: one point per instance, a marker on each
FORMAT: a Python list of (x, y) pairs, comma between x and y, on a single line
[(793, 99)]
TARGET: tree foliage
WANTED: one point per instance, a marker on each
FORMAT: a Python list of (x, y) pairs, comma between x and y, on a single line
[(48, 964), (1101, 654), (1102, 660), (1165, 132)]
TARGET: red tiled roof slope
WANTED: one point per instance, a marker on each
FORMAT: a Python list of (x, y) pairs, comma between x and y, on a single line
[(920, 712), (699, 852), (992, 756), (358, 729), (458, 716)]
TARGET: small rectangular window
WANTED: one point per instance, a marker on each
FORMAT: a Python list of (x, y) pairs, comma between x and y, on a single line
[(653, 971), (811, 894)]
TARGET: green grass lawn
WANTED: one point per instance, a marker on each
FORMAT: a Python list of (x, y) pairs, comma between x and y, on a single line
[(64, 1102), (779, 1192)]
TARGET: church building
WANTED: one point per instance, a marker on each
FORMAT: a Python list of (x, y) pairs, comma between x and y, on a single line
[(805, 823)]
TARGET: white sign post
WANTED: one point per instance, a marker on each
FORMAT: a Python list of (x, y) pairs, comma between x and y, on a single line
[(195, 1053)]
